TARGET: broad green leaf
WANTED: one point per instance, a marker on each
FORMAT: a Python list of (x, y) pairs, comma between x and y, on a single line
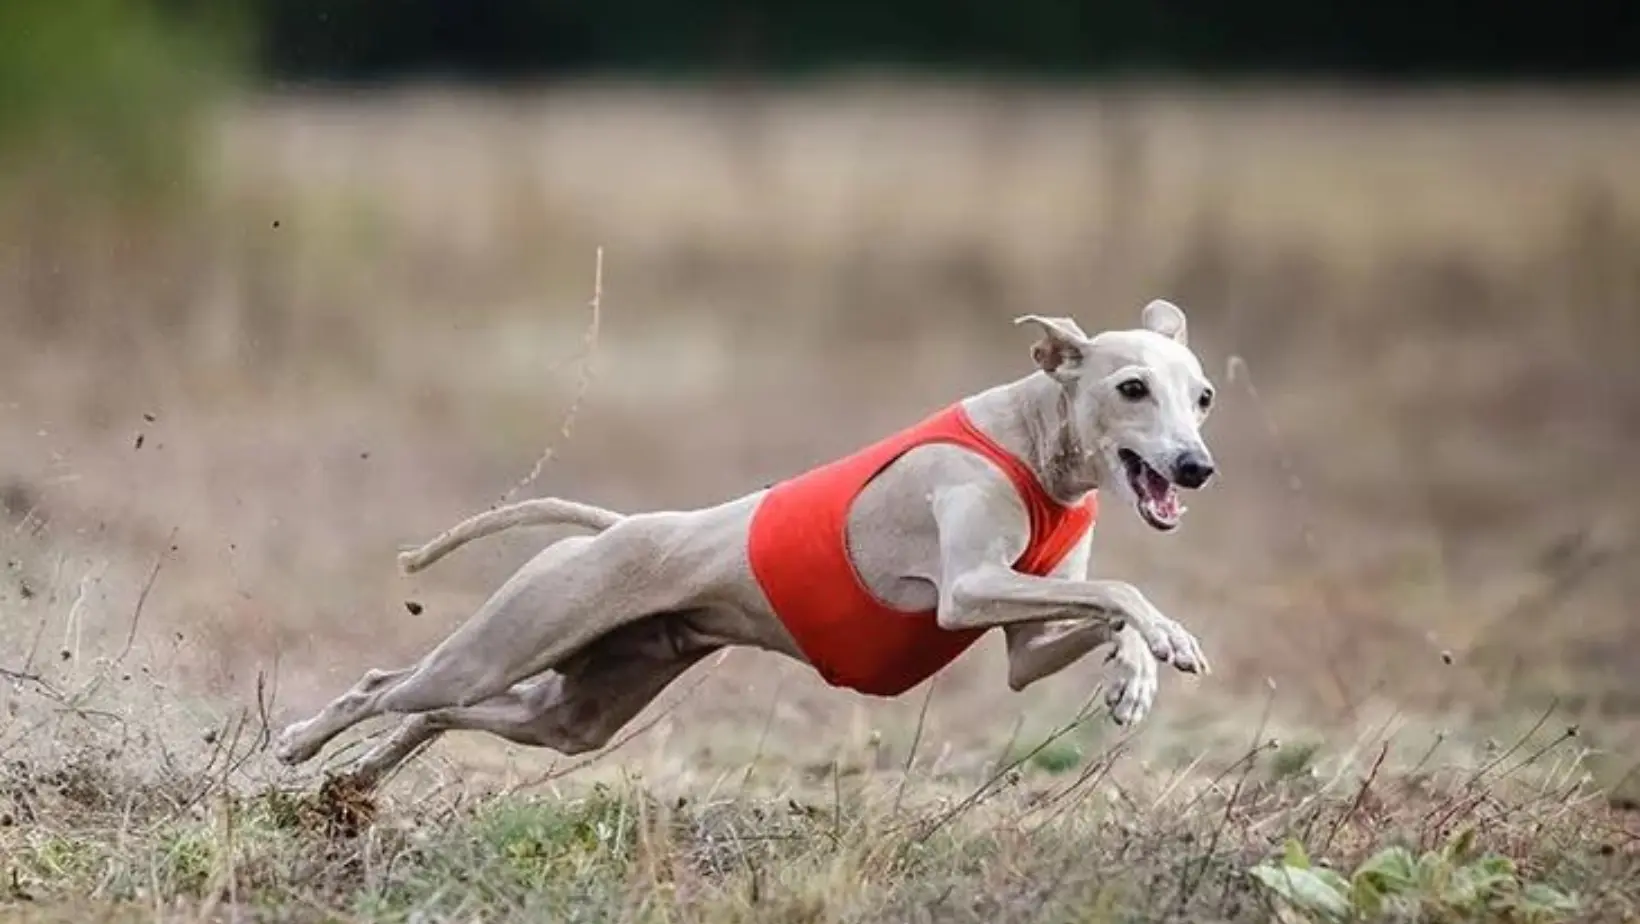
[(1432, 873), (1548, 898), (1478, 882), (1294, 856), (1366, 894), (1307, 890), (1392, 869)]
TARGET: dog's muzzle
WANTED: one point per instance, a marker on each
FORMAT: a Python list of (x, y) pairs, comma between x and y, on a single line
[(1192, 469)]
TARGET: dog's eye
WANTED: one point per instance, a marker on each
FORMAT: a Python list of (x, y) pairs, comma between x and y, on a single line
[(1133, 389), (1205, 402)]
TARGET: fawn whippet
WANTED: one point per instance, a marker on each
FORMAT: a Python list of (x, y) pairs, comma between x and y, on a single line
[(876, 569)]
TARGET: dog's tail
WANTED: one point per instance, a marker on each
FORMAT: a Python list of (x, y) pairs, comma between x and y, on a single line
[(543, 511)]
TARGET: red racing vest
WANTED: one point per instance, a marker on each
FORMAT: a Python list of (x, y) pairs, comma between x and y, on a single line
[(799, 555)]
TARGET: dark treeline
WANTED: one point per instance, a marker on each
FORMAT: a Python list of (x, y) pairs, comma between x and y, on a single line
[(353, 40)]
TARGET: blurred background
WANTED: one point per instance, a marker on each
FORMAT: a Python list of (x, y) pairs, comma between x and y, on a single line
[(285, 286)]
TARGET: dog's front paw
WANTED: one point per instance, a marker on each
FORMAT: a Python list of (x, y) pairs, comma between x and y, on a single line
[(1187, 652), (1133, 686), (1170, 643)]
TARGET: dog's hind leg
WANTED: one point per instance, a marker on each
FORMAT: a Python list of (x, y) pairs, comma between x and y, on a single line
[(573, 592), (572, 711)]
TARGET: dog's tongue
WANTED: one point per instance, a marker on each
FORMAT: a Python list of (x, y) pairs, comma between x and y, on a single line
[(1161, 496)]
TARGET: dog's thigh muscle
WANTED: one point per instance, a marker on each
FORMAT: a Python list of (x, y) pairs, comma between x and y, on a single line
[(571, 711)]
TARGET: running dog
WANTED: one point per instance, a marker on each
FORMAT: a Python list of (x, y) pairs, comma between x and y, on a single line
[(877, 569)]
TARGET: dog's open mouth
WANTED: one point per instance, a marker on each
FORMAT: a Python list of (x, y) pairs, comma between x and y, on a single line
[(1157, 497)]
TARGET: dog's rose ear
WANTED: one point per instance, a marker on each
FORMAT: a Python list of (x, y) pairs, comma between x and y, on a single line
[(1165, 318), (1062, 348)]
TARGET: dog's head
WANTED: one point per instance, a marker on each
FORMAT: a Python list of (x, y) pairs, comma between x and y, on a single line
[(1137, 402)]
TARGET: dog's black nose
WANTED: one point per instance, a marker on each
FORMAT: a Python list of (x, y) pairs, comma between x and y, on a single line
[(1192, 469)]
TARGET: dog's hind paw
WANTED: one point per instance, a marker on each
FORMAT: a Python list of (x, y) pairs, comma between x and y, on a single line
[(289, 749)]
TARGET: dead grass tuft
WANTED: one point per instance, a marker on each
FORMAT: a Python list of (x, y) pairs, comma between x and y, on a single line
[(339, 810)]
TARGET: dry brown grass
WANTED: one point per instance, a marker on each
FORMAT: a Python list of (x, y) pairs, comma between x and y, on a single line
[(1063, 827), (369, 325)]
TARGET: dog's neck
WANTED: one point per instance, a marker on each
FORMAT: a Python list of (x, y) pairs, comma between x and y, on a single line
[(1030, 418)]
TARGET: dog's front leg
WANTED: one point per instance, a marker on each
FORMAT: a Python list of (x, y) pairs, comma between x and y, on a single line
[(996, 595), (1041, 649), (980, 589)]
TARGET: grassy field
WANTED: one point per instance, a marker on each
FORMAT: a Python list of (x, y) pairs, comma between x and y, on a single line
[(365, 319), (1045, 837)]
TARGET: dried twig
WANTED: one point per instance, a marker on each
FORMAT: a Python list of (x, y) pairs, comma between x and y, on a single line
[(763, 736), (1091, 776), (1360, 797), (916, 741), (142, 596), (1236, 369), (1519, 743), (31, 678), (589, 346), (1188, 885), (988, 786)]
